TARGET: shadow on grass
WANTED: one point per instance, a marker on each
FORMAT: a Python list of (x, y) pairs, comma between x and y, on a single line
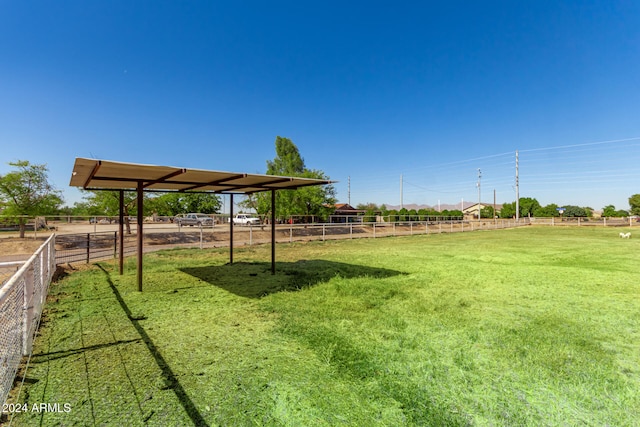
[(254, 280), (54, 355), (167, 372)]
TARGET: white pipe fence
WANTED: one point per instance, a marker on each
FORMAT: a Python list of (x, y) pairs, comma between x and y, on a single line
[(22, 298)]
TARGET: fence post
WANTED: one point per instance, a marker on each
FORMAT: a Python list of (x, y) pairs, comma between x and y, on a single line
[(374, 230), (394, 229), (88, 244), (290, 232), (323, 232), (27, 310), (350, 231), (426, 227), (115, 244), (451, 224), (250, 234), (411, 228)]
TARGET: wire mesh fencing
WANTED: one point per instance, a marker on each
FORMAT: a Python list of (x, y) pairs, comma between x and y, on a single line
[(22, 298), (87, 247)]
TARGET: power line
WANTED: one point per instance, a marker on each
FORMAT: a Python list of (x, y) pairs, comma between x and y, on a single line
[(613, 141)]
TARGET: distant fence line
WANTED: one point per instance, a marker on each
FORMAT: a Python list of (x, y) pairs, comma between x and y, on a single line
[(21, 301), (87, 247), (593, 222), (34, 225), (50, 221), (100, 245)]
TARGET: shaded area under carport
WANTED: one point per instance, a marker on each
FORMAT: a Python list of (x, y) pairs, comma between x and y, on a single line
[(106, 175)]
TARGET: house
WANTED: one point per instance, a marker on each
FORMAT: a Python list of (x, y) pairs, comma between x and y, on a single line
[(471, 212), (344, 212)]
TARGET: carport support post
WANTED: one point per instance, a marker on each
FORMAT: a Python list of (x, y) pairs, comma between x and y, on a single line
[(121, 231), (273, 231), (140, 207), (230, 228)]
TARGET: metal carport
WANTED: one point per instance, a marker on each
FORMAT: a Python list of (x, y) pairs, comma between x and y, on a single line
[(93, 174)]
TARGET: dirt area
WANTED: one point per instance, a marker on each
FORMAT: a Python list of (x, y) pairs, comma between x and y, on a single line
[(18, 246), (157, 236)]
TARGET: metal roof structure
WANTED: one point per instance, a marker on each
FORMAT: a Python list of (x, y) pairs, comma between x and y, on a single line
[(93, 174)]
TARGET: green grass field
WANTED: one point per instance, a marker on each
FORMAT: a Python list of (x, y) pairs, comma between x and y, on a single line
[(529, 326)]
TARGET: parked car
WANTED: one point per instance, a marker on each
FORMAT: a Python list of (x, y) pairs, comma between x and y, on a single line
[(245, 219), (191, 219)]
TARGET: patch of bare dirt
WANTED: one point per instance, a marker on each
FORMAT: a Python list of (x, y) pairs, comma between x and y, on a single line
[(17, 246)]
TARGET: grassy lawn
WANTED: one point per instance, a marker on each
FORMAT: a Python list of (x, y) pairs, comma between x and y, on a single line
[(530, 326)]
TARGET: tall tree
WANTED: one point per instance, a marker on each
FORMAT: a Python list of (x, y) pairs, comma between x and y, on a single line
[(307, 201), (634, 202), (26, 192), (288, 161)]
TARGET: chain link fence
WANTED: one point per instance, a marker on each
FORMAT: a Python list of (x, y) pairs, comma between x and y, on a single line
[(21, 301)]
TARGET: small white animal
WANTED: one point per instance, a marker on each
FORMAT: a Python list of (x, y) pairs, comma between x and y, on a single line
[(625, 235)]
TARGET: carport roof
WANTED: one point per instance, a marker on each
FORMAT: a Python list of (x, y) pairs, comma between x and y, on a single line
[(93, 174)]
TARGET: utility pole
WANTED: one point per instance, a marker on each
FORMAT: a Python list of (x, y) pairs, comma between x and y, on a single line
[(401, 201), (479, 177), (494, 205), (517, 190), (349, 190)]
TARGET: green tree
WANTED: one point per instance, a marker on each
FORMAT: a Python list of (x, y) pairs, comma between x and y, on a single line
[(288, 161), (404, 214), (108, 203), (313, 201), (487, 212), (634, 203), (528, 206), (547, 211), (574, 211), (369, 216), (26, 192), (609, 211), (452, 212), (589, 211), (171, 204), (508, 210)]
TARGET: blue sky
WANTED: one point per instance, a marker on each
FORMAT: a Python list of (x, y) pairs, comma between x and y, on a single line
[(367, 90)]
